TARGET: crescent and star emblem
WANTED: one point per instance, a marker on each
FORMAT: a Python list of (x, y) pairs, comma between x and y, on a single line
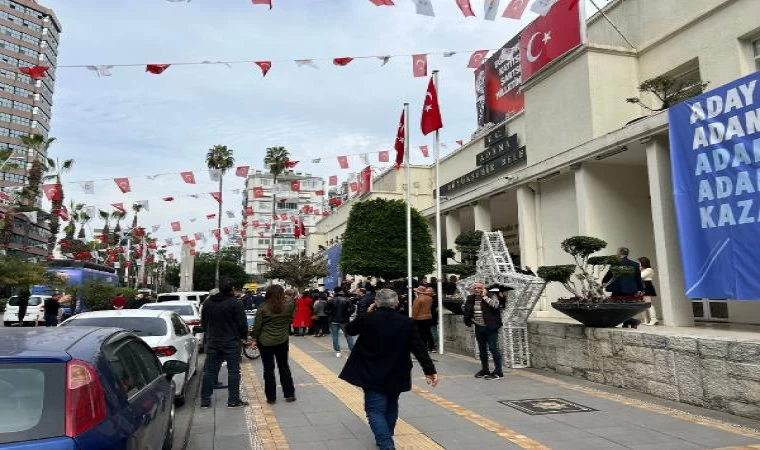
[(421, 63), (529, 51)]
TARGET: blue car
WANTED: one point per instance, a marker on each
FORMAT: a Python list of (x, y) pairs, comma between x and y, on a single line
[(84, 388)]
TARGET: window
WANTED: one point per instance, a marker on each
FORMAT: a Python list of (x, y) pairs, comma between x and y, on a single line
[(31, 406), (150, 363), (126, 366), (756, 52), (141, 326), (180, 329), (183, 310)]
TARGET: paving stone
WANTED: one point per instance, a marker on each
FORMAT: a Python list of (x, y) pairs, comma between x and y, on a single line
[(231, 442)]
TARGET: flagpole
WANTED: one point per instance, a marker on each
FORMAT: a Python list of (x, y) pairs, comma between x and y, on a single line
[(438, 249), (408, 211)]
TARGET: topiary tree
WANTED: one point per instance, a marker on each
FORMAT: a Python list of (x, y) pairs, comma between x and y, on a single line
[(670, 91), (374, 243), (582, 279), (468, 244)]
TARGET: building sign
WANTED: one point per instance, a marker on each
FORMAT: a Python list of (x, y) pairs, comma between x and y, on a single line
[(497, 85), (715, 153), (497, 148), (510, 158)]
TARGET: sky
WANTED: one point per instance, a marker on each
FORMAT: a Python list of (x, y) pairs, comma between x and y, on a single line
[(134, 124)]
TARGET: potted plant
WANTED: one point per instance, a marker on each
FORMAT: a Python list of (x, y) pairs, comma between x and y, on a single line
[(590, 304)]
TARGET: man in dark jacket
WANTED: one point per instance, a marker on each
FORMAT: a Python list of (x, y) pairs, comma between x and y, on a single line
[(626, 285), (366, 301), (339, 310), (380, 363), (225, 325), (484, 311)]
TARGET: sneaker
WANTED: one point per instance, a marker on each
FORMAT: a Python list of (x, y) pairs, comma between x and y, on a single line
[(481, 373), (494, 376), (433, 351), (290, 399), (337, 354), (237, 404), (205, 405)]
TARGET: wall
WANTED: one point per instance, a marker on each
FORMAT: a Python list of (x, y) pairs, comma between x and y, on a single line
[(613, 78), (711, 372)]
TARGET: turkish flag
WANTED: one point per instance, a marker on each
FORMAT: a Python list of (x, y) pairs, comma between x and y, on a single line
[(424, 150), (295, 186), (431, 113), (34, 72), (382, 156), (262, 2), (264, 66), (211, 216), (242, 171), (258, 192), (297, 231), (63, 213), (382, 2), (476, 59), (215, 247), (198, 236), (466, 8), (119, 206), (354, 186), (269, 252), (216, 234), (284, 216), (217, 196), (226, 230), (168, 199), (319, 192), (185, 239), (188, 177), (176, 226), (249, 210), (419, 65), (52, 191), (343, 162), (515, 9), (255, 224), (333, 180), (342, 61), (549, 37), (400, 139), (291, 164), (123, 184), (156, 69)]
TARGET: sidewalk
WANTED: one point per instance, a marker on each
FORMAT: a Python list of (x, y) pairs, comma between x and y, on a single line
[(462, 413)]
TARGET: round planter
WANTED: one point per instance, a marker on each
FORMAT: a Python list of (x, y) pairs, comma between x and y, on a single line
[(601, 315)]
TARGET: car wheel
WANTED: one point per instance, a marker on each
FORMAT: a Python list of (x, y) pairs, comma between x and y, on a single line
[(179, 400), (169, 439)]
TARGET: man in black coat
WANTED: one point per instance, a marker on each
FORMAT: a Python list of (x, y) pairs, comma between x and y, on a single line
[(626, 285), (380, 363), (339, 310), (483, 310)]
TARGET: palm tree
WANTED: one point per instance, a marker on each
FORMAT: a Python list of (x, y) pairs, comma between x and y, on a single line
[(40, 145), (219, 158), (55, 169), (276, 158), (106, 220), (71, 228), (118, 216), (83, 218), (137, 207)]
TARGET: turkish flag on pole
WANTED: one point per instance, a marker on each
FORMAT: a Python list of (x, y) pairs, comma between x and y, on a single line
[(400, 140), (549, 37), (333, 180), (343, 162), (419, 65), (476, 59), (156, 69), (242, 171), (262, 2), (342, 61), (465, 7), (217, 196), (264, 66), (296, 230), (431, 113), (269, 252), (188, 177), (52, 191), (383, 156), (515, 9), (424, 150), (176, 226), (123, 184)]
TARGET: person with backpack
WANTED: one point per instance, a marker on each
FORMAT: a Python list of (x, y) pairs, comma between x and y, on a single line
[(339, 310)]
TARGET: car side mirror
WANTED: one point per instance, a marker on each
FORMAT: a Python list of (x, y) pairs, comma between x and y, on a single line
[(198, 329), (174, 367)]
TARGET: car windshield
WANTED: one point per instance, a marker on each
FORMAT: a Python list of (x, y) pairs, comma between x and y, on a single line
[(34, 300), (182, 310), (168, 298), (141, 326), (31, 401)]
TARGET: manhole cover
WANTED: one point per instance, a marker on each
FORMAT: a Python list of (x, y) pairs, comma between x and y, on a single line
[(543, 406)]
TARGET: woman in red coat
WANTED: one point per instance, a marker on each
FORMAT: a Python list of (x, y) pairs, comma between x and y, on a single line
[(302, 318)]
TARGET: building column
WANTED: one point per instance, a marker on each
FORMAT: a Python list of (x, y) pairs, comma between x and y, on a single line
[(528, 226), (481, 212), (582, 200), (676, 308), (453, 228)]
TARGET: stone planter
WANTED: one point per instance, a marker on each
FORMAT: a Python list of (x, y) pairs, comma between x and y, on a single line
[(601, 315)]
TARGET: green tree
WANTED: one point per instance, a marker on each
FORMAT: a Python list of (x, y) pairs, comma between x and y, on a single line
[(204, 274), (276, 159), (17, 272), (220, 158), (39, 146), (136, 208), (669, 91), (55, 168), (297, 270), (374, 243), (468, 243), (106, 221), (118, 216)]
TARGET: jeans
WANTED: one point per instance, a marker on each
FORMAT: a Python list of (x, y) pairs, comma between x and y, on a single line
[(426, 333), (215, 355), (323, 327), (268, 357), (51, 321), (488, 340), (382, 412), (335, 328)]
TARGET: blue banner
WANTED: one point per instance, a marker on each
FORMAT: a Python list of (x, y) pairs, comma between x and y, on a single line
[(715, 154), (332, 280)]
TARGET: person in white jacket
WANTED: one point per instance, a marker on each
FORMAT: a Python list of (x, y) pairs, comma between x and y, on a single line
[(647, 276)]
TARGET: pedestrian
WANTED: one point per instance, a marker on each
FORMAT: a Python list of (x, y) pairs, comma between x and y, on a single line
[(381, 364), (52, 306), (484, 312), (302, 317), (647, 276), (23, 305), (629, 285), (339, 310), (225, 325), (270, 335), (423, 316), (366, 301), (119, 302), (138, 302), (322, 324)]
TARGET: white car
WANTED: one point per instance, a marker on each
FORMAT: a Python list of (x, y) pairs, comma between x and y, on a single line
[(33, 310), (188, 311), (195, 297), (164, 331)]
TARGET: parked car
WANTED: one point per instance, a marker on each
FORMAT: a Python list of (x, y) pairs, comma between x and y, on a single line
[(80, 388), (163, 331), (195, 297), (188, 311), (33, 311)]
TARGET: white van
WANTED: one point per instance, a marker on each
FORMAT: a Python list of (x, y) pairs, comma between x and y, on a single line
[(194, 297), (33, 311)]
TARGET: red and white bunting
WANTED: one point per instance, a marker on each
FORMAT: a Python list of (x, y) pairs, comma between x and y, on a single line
[(262, 2), (476, 59), (466, 8), (188, 177), (343, 162), (515, 9), (52, 191), (216, 196), (120, 207), (211, 216), (333, 180), (242, 171), (35, 72), (383, 156), (168, 199), (258, 192), (176, 226), (156, 69), (264, 66), (291, 164), (342, 61), (424, 150), (382, 2), (419, 65), (295, 186), (460, 142), (123, 184)]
